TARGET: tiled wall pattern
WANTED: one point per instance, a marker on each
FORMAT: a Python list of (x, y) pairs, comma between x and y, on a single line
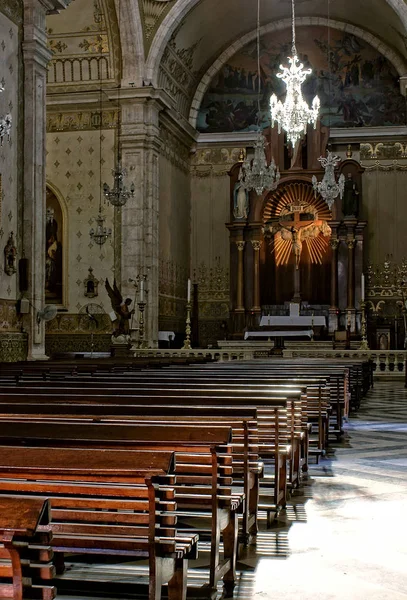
[(9, 43), (74, 170)]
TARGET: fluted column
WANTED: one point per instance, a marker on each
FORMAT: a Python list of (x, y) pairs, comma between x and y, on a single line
[(240, 275), (333, 309), (256, 275), (351, 274), (139, 244), (334, 273), (36, 56)]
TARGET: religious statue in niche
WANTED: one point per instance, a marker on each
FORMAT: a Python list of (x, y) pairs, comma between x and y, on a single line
[(10, 256), (122, 310), (53, 260), (298, 223), (240, 199), (350, 203), (91, 285)]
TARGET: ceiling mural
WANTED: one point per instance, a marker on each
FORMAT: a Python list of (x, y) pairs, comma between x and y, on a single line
[(359, 88)]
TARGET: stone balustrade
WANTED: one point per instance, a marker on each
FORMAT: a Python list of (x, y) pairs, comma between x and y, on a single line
[(387, 363)]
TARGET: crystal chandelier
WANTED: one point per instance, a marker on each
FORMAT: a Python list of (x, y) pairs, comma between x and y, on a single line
[(5, 123), (256, 175), (294, 115), (101, 233), (119, 194), (329, 188)]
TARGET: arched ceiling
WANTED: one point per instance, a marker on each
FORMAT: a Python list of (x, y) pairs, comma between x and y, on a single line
[(216, 25), (187, 49)]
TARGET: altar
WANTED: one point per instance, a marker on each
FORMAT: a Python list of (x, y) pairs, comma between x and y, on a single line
[(294, 320)]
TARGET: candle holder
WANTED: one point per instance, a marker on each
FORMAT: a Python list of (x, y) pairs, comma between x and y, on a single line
[(364, 343), (312, 328), (187, 341), (141, 342)]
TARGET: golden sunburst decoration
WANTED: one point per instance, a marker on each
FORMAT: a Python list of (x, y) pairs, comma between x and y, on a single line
[(293, 216)]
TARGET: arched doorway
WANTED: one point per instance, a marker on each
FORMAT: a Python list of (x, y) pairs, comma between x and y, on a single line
[(55, 241)]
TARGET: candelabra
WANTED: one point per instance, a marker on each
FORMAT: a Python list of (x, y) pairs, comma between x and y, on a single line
[(364, 345), (119, 194), (329, 188), (141, 306), (187, 341), (101, 234)]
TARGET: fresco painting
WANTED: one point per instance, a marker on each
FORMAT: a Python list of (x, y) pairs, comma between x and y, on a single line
[(359, 88)]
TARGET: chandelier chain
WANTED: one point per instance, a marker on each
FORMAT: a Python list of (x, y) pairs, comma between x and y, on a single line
[(294, 46)]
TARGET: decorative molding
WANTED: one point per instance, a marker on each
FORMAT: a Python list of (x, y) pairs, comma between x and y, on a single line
[(13, 347), (153, 12), (74, 324), (213, 286), (386, 168), (216, 158), (81, 121), (173, 149), (57, 343), (9, 320), (172, 280), (13, 10), (176, 74), (383, 150), (387, 280)]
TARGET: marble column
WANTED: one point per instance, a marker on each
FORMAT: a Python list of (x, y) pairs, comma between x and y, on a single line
[(240, 277), (257, 244), (140, 145), (333, 310), (36, 56), (351, 284)]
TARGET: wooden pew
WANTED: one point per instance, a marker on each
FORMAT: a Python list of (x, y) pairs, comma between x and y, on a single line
[(203, 469), (107, 502), (26, 557)]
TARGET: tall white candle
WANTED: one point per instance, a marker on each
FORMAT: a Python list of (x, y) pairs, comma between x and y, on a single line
[(142, 290), (189, 291), (362, 293)]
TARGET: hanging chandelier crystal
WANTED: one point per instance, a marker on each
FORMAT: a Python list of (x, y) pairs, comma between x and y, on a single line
[(329, 188), (256, 174), (5, 123), (294, 115), (119, 194), (101, 233)]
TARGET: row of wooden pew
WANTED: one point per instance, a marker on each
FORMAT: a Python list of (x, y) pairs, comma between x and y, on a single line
[(142, 461)]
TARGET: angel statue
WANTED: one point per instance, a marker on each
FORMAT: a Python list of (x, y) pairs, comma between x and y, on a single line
[(121, 308)]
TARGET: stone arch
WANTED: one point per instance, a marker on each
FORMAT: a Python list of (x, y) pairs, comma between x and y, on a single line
[(131, 42), (54, 197), (181, 9), (395, 59)]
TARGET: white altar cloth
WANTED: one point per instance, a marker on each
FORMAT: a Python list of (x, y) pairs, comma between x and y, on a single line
[(166, 336), (289, 321), (273, 334)]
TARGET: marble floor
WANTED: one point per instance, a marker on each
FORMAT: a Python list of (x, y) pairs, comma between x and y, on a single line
[(344, 535)]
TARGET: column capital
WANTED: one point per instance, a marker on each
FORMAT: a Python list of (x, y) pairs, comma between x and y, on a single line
[(240, 245), (257, 244), (334, 243), (350, 244)]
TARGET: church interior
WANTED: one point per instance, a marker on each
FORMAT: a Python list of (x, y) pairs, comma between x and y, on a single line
[(203, 299)]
